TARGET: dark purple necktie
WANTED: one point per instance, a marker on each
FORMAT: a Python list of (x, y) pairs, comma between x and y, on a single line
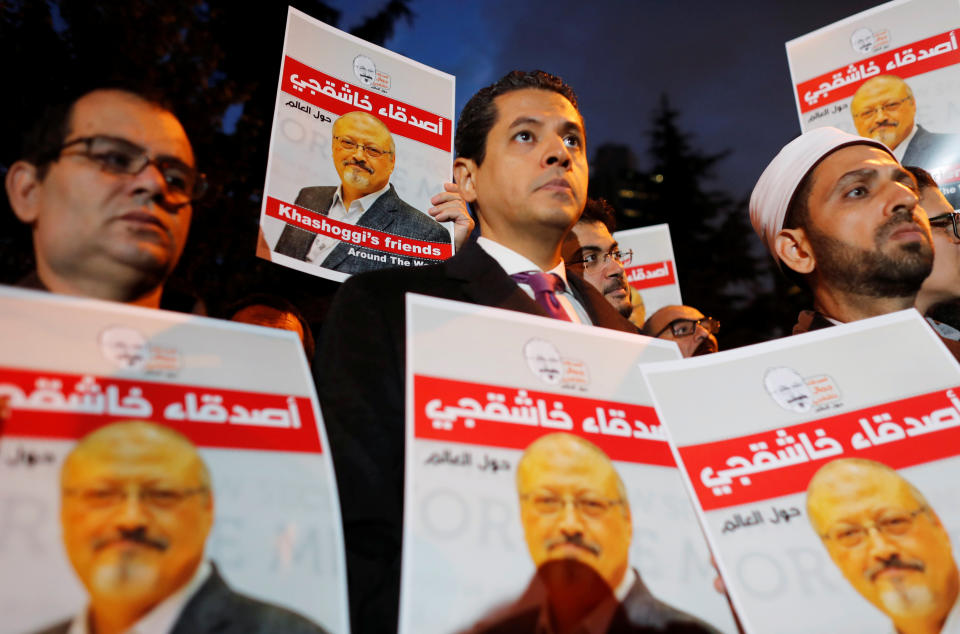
[(545, 287)]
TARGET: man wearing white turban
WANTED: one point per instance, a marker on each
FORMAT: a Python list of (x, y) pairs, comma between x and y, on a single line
[(841, 216)]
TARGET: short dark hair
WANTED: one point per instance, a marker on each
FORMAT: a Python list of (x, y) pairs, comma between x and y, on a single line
[(924, 178), (480, 113), (44, 139), (599, 210), (279, 304)]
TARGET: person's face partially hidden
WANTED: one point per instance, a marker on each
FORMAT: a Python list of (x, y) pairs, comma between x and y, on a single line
[(944, 279), (593, 240), (136, 512), (534, 173), (888, 546), (866, 231), (572, 510), (358, 171), (883, 110)]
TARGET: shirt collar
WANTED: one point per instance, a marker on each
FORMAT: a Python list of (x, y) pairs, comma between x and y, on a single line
[(162, 617), (512, 262), (365, 203)]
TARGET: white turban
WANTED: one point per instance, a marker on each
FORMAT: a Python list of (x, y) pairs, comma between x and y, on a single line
[(777, 184)]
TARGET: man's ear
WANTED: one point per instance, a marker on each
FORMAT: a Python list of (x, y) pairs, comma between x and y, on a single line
[(464, 175), (793, 249), (22, 184)]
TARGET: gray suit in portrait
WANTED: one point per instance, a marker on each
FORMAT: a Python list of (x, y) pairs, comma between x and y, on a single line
[(388, 214), (933, 151), (217, 608)]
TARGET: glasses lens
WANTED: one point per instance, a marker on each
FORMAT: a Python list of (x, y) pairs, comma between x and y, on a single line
[(625, 257), (372, 152), (848, 536), (116, 155), (347, 144), (683, 327)]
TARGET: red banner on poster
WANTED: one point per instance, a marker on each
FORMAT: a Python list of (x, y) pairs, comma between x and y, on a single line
[(761, 466), (340, 97), (917, 58), (496, 416), (650, 275), (68, 406), (360, 236)]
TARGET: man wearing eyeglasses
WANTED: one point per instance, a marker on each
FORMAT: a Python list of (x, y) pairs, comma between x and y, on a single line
[(685, 325), (578, 528), (107, 184), (590, 251), (136, 510), (364, 156), (884, 109), (942, 286), (886, 540)]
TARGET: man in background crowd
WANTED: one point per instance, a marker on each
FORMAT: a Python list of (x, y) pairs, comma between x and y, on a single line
[(522, 163), (694, 333), (106, 184), (591, 252), (942, 286)]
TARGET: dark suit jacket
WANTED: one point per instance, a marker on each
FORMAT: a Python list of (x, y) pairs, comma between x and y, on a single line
[(217, 608), (639, 613), (931, 150), (361, 387), (388, 213)]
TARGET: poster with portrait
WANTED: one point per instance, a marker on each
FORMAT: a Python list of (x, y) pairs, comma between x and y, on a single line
[(538, 470), (824, 468), (152, 472), (891, 73), (362, 139), (652, 270)]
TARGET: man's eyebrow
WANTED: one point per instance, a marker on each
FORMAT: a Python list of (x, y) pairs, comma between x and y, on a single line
[(525, 120), (865, 174)]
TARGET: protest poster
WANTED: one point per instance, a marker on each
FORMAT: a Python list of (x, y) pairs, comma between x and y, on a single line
[(377, 125), (824, 471), (891, 73), (479, 522), (652, 269), (147, 458)]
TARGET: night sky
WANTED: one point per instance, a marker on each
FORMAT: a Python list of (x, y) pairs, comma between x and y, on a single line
[(722, 64)]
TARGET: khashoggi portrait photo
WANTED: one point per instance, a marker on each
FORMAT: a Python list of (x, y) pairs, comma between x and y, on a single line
[(136, 509)]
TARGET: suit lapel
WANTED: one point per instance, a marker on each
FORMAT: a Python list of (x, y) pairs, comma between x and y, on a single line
[(484, 282)]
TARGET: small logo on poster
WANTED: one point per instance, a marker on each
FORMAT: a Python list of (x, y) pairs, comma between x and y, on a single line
[(127, 349), (544, 360), (795, 393), (866, 42), (366, 71)]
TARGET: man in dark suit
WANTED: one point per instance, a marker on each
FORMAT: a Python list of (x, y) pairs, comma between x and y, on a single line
[(136, 510), (364, 156), (884, 109), (578, 528), (522, 164)]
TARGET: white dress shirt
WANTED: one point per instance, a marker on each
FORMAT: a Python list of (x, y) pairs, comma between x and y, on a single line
[(512, 262), (901, 149), (161, 619), (323, 245)]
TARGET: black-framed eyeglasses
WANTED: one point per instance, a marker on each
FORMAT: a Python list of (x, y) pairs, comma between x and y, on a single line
[(686, 327), (370, 150), (944, 220), (890, 106), (120, 156), (595, 259)]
